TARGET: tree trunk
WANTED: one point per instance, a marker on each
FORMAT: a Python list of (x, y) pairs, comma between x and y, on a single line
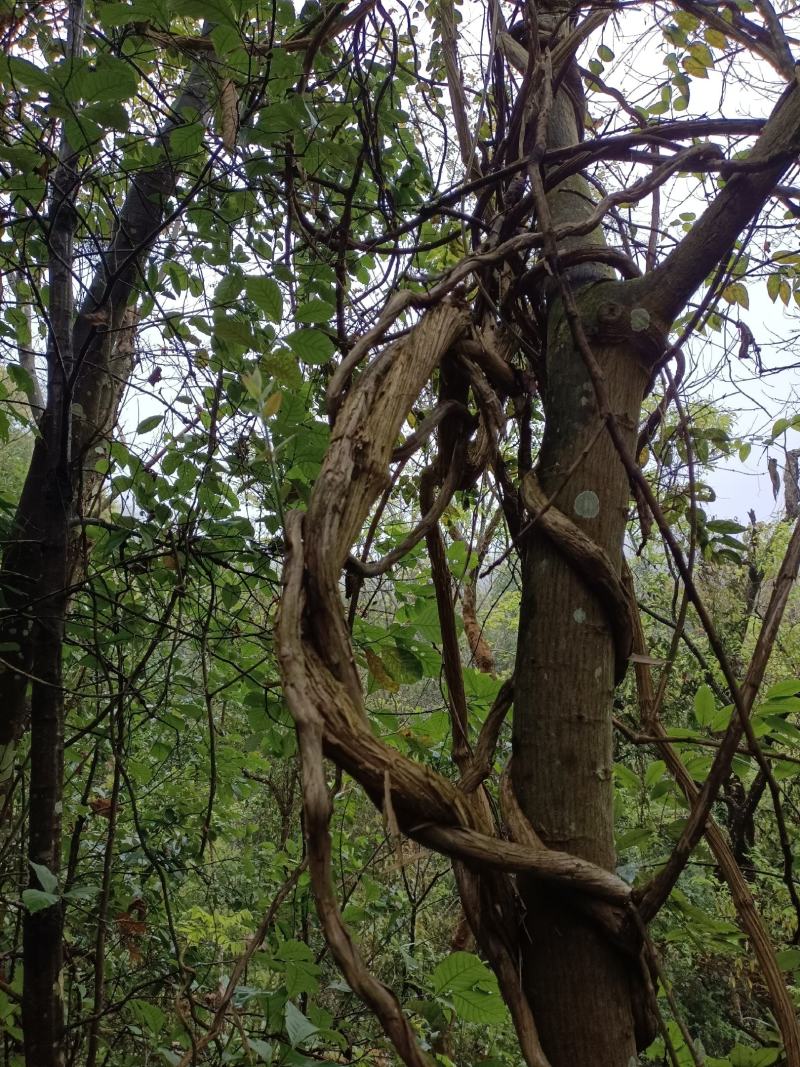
[(89, 360), (578, 985), (101, 342)]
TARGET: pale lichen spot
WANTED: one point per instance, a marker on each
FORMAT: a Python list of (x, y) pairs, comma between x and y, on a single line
[(579, 615), (587, 504)]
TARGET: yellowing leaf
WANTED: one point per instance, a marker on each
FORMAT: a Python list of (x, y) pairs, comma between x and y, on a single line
[(694, 67), (702, 54), (716, 38), (272, 405), (378, 671), (736, 293)]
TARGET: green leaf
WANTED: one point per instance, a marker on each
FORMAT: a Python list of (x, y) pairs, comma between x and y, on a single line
[(236, 331), (626, 778), (742, 1056), (315, 311), (20, 377), (692, 66), (30, 75), (302, 977), (150, 423), (631, 838), (301, 972), (47, 880), (148, 1015), (774, 286), (788, 688), (715, 38), (310, 345), (736, 293), (298, 1027), (185, 141), (266, 294), (262, 1049), (479, 1006), (37, 900), (702, 54), (459, 970), (111, 81), (82, 892), (788, 959), (704, 705), (470, 986), (654, 772), (780, 426)]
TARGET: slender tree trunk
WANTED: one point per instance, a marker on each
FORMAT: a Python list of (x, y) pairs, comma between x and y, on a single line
[(580, 988), (42, 997), (101, 342), (90, 358)]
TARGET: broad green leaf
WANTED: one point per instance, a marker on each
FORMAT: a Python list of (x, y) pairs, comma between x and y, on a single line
[(788, 959), (302, 976), (632, 838), (150, 423), (471, 988), (315, 311), (310, 345), (47, 880), (263, 1049), (736, 293), (266, 294), (704, 705), (788, 688), (654, 772), (480, 1006), (298, 1027), (147, 1014), (459, 971), (742, 1056), (237, 331), (626, 778), (185, 140), (111, 80), (37, 900), (715, 38), (31, 75)]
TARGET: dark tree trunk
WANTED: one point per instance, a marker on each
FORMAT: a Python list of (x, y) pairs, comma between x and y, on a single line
[(90, 358)]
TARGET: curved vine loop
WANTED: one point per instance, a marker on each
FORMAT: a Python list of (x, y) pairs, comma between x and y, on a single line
[(323, 688), (591, 563)]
